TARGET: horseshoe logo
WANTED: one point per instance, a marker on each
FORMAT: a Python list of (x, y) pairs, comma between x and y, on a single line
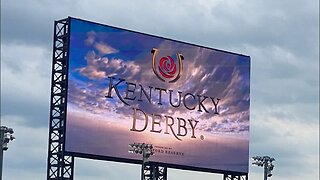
[(167, 69)]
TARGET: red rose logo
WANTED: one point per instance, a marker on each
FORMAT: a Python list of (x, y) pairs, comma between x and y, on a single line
[(167, 67)]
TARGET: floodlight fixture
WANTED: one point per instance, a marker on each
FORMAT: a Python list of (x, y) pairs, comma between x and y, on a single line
[(258, 163), (266, 163), (141, 148), (10, 130), (5, 137)]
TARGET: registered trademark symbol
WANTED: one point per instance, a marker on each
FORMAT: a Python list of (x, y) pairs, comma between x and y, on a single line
[(202, 137)]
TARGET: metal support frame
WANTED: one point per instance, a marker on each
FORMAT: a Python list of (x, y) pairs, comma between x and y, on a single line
[(60, 166), (153, 171), (235, 177)]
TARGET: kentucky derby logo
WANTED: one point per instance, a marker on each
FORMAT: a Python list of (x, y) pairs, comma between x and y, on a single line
[(167, 68)]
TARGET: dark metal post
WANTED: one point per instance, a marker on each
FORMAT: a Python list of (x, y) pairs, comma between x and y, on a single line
[(265, 167), (142, 171), (5, 137), (1, 163), (149, 170), (143, 164), (1, 151)]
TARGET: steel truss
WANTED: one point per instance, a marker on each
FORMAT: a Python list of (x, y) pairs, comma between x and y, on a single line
[(60, 166), (154, 171), (235, 177)]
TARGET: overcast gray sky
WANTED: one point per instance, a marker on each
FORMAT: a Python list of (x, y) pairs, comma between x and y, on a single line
[(282, 38)]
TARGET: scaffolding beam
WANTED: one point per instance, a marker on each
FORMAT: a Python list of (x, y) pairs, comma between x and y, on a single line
[(59, 166)]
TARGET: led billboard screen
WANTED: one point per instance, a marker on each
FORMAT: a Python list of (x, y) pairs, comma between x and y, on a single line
[(191, 102)]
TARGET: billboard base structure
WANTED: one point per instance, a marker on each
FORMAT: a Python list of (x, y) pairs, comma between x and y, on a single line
[(235, 177), (153, 171), (59, 165)]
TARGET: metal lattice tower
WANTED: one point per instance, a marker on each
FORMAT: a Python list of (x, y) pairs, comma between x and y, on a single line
[(60, 166), (153, 171)]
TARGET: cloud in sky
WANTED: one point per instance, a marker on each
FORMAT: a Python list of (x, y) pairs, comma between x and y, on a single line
[(282, 38), (100, 46), (220, 76), (104, 48), (99, 67)]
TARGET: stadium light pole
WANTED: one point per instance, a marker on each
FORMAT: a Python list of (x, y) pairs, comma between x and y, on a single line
[(266, 163), (5, 137), (146, 150)]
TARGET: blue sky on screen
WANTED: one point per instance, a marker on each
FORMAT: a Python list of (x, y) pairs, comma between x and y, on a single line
[(97, 52)]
